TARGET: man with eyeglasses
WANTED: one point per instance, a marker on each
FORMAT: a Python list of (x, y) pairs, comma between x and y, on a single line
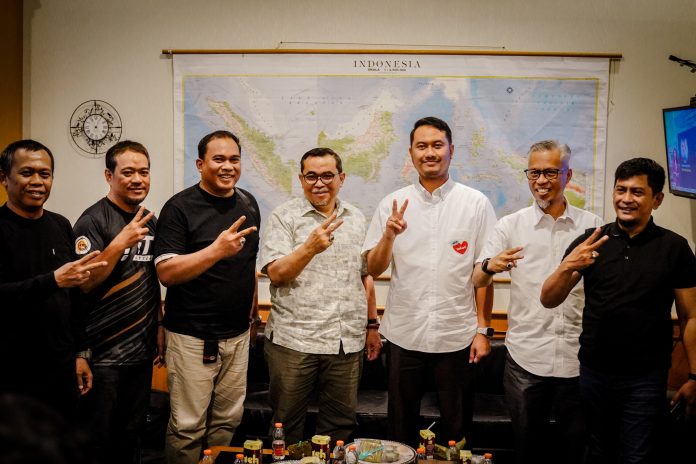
[(437, 324), (323, 306), (541, 372)]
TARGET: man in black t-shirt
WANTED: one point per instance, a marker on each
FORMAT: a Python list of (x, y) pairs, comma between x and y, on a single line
[(37, 271), (121, 307), (205, 253), (633, 271)]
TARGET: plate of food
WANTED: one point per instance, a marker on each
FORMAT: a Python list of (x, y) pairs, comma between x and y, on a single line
[(383, 451)]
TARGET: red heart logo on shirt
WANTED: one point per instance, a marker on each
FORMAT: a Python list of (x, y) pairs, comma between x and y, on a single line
[(460, 247)]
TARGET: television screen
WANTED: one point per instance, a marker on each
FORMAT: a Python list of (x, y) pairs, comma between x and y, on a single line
[(680, 142)]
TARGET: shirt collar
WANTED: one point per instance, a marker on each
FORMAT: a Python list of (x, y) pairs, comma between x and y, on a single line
[(650, 231), (307, 208), (570, 214), (438, 194)]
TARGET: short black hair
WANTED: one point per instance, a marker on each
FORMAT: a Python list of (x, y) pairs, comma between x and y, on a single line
[(437, 123), (218, 134), (123, 146), (639, 167), (7, 155), (321, 151)]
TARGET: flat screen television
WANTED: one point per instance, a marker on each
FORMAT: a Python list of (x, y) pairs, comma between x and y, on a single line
[(680, 142)]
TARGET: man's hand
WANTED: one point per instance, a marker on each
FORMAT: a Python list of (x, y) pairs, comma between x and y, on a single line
[(230, 241), (373, 344), (396, 223), (505, 260), (84, 375), (321, 238), (135, 231), (76, 273), (687, 393), (161, 347), (584, 254), (480, 348)]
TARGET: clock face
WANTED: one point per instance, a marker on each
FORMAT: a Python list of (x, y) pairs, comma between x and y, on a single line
[(95, 126)]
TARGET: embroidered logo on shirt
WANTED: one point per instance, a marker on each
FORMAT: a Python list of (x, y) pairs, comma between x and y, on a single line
[(82, 245), (460, 247)]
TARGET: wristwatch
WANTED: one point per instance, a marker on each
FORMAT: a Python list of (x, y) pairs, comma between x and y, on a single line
[(85, 354), (487, 331), (256, 321), (484, 267)]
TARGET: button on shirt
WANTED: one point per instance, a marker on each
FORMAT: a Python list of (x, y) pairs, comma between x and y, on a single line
[(326, 304), (431, 306), (543, 341)]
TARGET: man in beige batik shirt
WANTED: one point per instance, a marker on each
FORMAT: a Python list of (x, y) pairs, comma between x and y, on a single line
[(323, 310)]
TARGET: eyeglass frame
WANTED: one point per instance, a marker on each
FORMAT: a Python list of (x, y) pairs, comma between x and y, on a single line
[(544, 172), (320, 176)]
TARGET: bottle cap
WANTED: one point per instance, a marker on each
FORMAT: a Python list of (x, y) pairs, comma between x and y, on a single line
[(339, 443), (488, 456), (207, 452), (351, 447), (421, 450), (451, 443), (278, 424), (240, 456)]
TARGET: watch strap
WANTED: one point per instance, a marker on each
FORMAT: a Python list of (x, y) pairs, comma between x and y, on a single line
[(484, 267)]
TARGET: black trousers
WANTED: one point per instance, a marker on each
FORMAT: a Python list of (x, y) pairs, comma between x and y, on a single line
[(531, 399), (410, 374), (114, 412)]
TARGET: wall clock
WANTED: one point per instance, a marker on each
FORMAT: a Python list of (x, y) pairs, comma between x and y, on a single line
[(95, 126)]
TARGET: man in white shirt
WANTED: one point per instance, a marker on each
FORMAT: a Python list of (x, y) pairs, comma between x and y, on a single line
[(542, 368), (432, 311)]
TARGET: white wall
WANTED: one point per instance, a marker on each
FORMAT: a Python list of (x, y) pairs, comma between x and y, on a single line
[(84, 49)]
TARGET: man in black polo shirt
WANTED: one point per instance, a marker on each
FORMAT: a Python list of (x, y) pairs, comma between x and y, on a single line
[(205, 253), (634, 270)]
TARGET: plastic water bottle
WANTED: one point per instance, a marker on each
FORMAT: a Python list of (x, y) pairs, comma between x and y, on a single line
[(352, 455), (452, 451), (207, 457), (488, 458), (339, 453), (278, 444), (239, 458)]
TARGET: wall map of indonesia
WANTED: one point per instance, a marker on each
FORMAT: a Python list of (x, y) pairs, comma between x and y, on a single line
[(367, 122)]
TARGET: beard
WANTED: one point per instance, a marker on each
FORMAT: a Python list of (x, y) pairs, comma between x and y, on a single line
[(132, 201), (543, 204)]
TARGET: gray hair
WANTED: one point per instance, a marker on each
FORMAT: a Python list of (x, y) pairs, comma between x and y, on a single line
[(548, 145)]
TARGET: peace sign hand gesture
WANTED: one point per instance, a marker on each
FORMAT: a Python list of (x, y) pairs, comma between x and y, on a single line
[(135, 230), (76, 273), (231, 241), (322, 237), (396, 223), (586, 253)]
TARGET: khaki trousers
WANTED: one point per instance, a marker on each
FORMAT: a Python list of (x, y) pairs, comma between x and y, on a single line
[(207, 400)]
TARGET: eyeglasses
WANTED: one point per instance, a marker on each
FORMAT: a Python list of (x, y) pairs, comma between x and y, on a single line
[(550, 174), (326, 178)]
